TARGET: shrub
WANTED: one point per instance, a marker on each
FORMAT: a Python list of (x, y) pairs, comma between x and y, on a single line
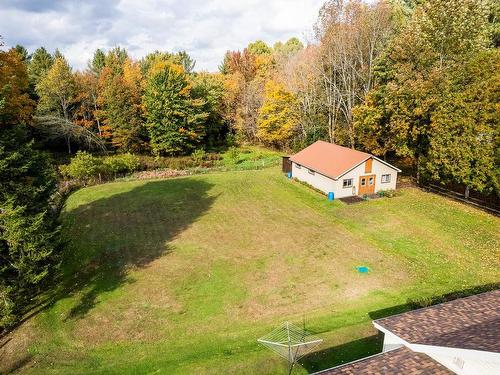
[(308, 186), (232, 153), (387, 193), (231, 140), (122, 163), (83, 166), (198, 156), (258, 155)]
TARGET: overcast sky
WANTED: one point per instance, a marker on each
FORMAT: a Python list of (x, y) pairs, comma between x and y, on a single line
[(204, 28)]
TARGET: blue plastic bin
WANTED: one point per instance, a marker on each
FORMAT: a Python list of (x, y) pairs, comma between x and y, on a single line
[(331, 196)]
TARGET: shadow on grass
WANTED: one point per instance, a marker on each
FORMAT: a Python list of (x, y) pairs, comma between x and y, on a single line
[(341, 354), (128, 230), (413, 304), (20, 363)]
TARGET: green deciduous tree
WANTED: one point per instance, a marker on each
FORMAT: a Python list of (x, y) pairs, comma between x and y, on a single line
[(465, 127), (210, 89), (259, 47), (57, 89), (175, 120), (415, 79), (291, 47), (57, 92)]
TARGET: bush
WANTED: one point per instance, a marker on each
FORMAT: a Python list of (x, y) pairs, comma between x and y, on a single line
[(86, 167), (122, 163), (83, 167), (198, 157), (232, 153), (387, 193), (151, 163)]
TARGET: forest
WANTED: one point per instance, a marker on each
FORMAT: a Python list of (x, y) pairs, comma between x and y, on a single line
[(412, 80)]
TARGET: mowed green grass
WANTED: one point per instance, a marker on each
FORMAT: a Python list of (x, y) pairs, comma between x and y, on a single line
[(183, 275)]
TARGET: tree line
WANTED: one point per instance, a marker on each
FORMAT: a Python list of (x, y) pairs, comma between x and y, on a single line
[(414, 79)]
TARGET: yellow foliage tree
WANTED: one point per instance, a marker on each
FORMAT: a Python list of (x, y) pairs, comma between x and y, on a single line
[(278, 116)]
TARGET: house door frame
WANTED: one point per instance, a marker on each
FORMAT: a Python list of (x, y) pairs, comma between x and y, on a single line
[(367, 184)]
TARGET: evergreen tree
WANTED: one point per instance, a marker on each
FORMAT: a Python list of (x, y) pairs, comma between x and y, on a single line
[(28, 235), (23, 52), (98, 62), (39, 65)]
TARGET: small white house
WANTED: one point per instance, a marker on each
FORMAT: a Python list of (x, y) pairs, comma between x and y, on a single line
[(343, 171)]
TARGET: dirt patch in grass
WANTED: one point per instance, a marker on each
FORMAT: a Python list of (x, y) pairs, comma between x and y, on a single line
[(14, 349)]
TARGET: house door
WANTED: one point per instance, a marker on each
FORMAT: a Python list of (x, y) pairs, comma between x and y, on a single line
[(366, 184)]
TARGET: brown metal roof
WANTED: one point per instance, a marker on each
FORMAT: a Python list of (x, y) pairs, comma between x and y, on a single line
[(329, 159), (465, 323), (394, 362)]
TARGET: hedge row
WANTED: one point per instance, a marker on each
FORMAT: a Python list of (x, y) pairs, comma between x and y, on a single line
[(86, 167)]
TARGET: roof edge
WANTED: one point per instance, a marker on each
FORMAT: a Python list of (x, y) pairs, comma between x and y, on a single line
[(357, 360), (386, 163), (314, 169), (291, 158), (432, 306)]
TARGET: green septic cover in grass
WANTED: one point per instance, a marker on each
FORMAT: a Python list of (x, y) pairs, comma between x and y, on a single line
[(362, 269)]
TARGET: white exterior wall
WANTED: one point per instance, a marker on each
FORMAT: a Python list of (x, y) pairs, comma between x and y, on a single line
[(460, 361), (323, 183), (391, 342), (327, 184)]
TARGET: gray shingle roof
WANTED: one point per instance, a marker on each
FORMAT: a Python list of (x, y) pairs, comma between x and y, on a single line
[(394, 362), (466, 323)]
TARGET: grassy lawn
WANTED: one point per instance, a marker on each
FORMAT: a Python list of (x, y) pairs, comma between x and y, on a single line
[(183, 275)]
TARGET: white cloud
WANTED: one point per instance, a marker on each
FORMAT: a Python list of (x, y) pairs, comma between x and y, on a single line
[(206, 29)]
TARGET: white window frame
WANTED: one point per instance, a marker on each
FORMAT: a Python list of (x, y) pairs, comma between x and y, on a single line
[(387, 178), (311, 172), (347, 183)]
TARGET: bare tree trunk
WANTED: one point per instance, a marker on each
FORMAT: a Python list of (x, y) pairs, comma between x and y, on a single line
[(418, 168), (68, 143)]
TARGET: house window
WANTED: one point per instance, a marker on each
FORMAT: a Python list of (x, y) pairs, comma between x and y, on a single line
[(298, 166), (370, 181), (310, 171), (363, 181), (347, 183), (386, 178)]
